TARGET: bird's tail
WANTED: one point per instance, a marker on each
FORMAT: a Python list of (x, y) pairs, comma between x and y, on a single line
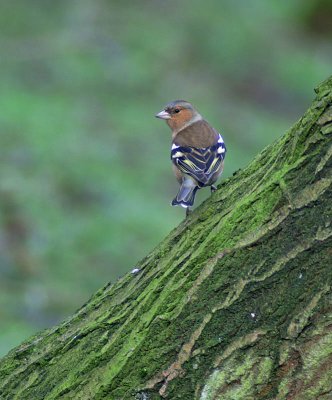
[(186, 194)]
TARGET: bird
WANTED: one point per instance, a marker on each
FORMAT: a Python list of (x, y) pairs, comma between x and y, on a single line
[(197, 152)]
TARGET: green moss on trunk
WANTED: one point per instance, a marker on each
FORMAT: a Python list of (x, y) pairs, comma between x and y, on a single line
[(234, 304)]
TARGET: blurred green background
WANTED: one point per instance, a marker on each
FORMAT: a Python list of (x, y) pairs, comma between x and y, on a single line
[(85, 175)]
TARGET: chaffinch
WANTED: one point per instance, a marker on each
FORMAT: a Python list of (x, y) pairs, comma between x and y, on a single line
[(198, 151)]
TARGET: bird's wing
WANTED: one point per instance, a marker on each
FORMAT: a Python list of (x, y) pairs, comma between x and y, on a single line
[(200, 163)]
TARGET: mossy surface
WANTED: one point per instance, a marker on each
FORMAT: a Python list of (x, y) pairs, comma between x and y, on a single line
[(234, 304)]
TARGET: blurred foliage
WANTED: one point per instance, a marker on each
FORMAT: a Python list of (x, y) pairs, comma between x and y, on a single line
[(86, 180)]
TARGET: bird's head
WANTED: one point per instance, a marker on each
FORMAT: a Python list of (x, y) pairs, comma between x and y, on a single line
[(178, 114)]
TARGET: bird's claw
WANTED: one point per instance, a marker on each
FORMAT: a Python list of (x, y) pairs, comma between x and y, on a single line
[(213, 188), (188, 212)]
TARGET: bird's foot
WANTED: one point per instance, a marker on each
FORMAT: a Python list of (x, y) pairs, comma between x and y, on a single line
[(188, 212), (213, 188)]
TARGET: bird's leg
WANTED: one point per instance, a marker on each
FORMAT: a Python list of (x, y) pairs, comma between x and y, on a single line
[(213, 188), (188, 212)]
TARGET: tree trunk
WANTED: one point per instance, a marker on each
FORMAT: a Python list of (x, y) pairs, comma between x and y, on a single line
[(234, 304)]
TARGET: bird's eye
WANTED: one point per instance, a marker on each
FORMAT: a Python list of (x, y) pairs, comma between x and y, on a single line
[(176, 110)]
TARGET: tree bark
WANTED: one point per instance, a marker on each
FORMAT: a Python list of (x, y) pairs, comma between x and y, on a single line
[(234, 304)]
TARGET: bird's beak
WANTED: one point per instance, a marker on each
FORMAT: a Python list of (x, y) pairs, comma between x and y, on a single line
[(163, 115)]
